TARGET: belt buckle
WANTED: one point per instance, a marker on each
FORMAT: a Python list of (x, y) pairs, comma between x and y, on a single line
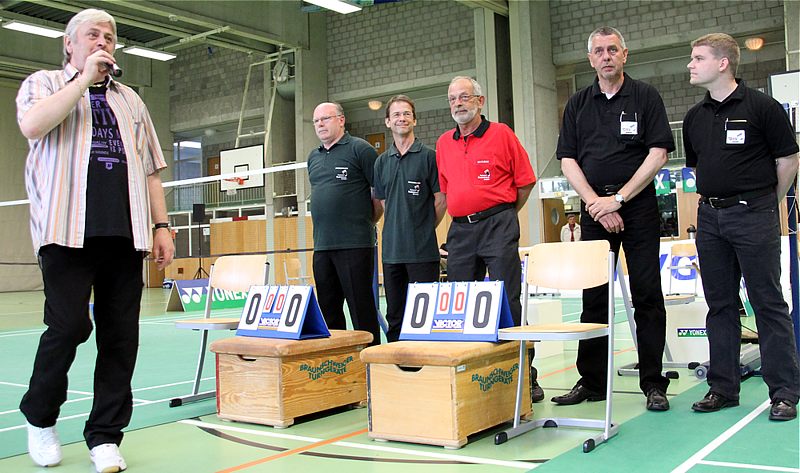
[(472, 218), (715, 202)]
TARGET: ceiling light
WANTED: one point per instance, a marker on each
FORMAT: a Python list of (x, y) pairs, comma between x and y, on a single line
[(149, 53), (339, 6), (119, 46), (190, 144), (374, 104), (33, 29), (754, 44)]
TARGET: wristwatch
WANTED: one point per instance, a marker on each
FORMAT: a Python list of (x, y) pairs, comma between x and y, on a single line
[(619, 198)]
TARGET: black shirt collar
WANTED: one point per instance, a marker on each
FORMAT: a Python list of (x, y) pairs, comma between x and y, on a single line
[(737, 94), (416, 147), (343, 140), (478, 131), (623, 91)]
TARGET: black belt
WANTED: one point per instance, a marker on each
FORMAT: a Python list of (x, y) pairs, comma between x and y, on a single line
[(483, 214), (609, 189), (725, 202)]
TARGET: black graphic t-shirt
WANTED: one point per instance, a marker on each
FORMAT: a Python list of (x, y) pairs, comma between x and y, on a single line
[(108, 211)]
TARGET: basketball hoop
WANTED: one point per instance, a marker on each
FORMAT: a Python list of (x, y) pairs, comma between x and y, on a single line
[(238, 180)]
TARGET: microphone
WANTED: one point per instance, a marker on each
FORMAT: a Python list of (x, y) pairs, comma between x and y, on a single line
[(114, 70)]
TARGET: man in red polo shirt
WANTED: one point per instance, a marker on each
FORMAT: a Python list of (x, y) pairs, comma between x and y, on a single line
[(486, 177)]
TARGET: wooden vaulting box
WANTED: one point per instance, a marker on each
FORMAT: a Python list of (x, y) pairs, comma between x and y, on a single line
[(438, 393), (272, 381)]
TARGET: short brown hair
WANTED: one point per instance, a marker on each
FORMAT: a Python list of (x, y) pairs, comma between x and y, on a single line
[(721, 45), (401, 98)]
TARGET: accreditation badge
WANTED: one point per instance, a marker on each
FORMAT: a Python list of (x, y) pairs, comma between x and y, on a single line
[(734, 137), (628, 128)]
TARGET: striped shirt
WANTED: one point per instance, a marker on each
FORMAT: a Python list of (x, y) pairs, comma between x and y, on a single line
[(57, 166)]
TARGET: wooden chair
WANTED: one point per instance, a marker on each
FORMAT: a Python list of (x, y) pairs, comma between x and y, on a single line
[(292, 269), (686, 250), (571, 265), (228, 273)]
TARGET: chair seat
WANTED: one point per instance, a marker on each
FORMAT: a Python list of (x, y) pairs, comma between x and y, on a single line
[(214, 323), (674, 299), (579, 331)]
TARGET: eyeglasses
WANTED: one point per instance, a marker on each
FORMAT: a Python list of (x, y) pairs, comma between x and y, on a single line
[(406, 114), (325, 118), (462, 98)]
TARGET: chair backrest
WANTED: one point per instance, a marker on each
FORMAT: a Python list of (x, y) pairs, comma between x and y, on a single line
[(569, 265), (292, 267), (239, 272), (683, 249)]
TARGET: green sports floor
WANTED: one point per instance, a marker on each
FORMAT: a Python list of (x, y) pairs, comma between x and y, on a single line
[(190, 438)]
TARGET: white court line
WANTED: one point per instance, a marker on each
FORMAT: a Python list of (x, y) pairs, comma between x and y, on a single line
[(18, 427), (165, 320), (18, 333), (19, 385), (746, 466), (80, 399), (380, 448), (722, 438), (137, 402)]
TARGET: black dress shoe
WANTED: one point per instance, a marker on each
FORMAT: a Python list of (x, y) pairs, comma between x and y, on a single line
[(782, 410), (714, 402), (578, 395), (537, 393), (657, 400)]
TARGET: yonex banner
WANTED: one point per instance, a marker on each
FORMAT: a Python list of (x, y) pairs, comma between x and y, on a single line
[(188, 295)]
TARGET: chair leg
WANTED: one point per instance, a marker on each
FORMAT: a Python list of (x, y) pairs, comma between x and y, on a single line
[(196, 394), (201, 358)]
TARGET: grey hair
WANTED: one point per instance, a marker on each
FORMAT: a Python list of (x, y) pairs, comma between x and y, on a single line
[(476, 87), (605, 31), (90, 15)]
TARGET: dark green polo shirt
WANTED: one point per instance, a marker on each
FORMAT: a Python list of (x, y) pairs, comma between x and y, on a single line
[(408, 183), (341, 201)]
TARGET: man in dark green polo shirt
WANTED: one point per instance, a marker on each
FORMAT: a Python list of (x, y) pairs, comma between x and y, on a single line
[(407, 184), (344, 214)]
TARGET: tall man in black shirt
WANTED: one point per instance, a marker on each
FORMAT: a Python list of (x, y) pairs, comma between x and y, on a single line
[(614, 138), (744, 149)]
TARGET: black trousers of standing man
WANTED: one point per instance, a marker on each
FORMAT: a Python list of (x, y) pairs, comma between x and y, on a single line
[(347, 275), (113, 269), (641, 243)]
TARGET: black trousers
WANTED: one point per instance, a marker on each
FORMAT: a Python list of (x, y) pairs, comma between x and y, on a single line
[(641, 242), (347, 275), (736, 241), (113, 269), (491, 244), (396, 277)]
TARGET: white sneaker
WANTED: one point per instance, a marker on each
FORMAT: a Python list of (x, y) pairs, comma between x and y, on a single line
[(44, 447), (107, 459)]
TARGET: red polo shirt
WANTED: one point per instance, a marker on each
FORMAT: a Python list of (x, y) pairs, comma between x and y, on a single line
[(482, 171)]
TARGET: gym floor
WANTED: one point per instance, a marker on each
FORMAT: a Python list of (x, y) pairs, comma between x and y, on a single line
[(191, 438)]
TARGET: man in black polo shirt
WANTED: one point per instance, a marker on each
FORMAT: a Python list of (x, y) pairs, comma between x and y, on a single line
[(343, 213), (407, 184), (614, 138), (744, 149)]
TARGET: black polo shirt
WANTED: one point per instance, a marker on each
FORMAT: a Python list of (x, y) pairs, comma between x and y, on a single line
[(408, 183), (341, 200), (592, 131), (734, 143)]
